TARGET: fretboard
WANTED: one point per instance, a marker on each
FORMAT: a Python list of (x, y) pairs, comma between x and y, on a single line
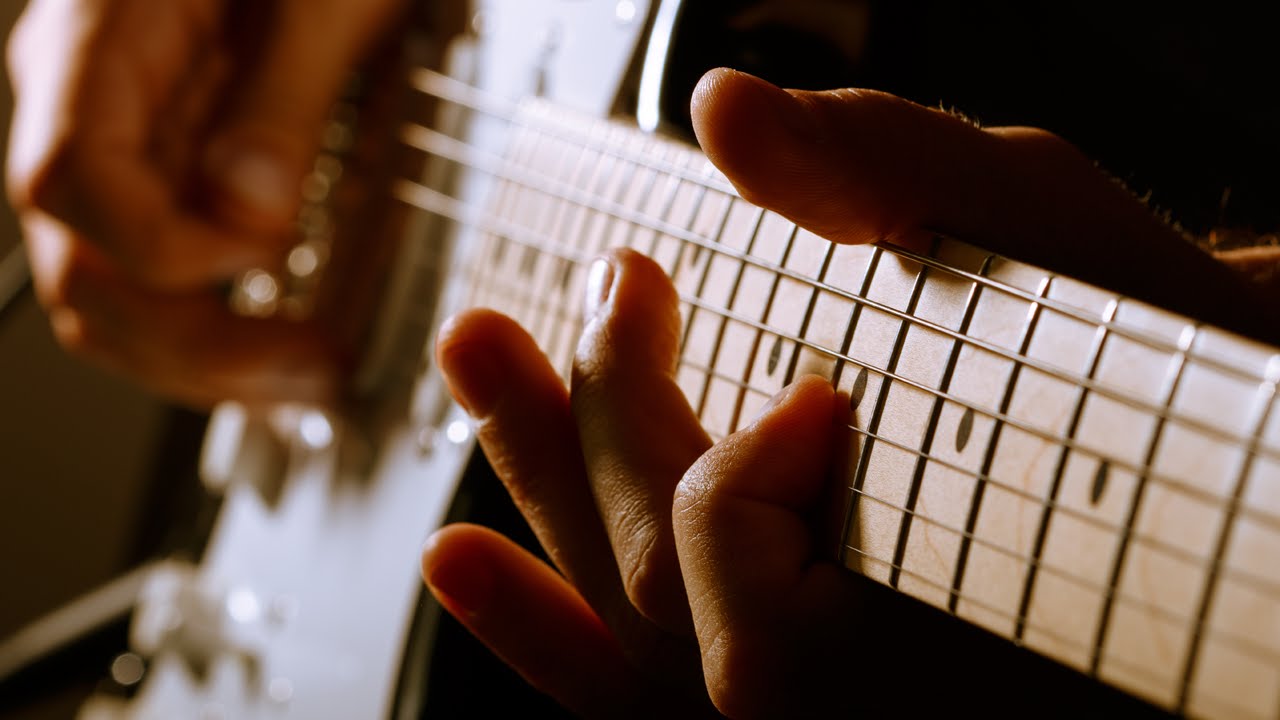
[(1081, 473)]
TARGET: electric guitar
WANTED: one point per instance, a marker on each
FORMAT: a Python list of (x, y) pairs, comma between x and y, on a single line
[(1081, 474)]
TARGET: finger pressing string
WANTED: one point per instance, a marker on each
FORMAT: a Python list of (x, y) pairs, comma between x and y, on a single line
[(638, 432)]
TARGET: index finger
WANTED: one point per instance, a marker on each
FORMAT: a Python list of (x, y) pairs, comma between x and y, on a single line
[(858, 166)]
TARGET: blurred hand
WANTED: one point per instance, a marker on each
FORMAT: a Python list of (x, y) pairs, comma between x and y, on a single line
[(157, 150)]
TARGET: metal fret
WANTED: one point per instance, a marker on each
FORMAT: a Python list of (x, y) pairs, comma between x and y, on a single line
[(1266, 403), (926, 445), (882, 397), (842, 357), (749, 366), (545, 329), (447, 147), (518, 115), (1055, 485), (808, 316), (1172, 382), (432, 201), (979, 488), (724, 319)]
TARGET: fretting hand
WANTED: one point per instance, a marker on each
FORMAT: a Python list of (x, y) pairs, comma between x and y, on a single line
[(689, 571)]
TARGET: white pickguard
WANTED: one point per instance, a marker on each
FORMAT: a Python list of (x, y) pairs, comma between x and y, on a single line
[(301, 606)]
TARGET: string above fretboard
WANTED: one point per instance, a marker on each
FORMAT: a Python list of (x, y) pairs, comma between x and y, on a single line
[(1081, 473)]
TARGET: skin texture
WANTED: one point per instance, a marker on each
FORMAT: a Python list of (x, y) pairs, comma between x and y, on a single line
[(130, 109), (157, 150), (619, 479)]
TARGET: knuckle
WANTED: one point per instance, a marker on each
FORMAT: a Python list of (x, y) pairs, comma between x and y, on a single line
[(73, 331), (645, 575), (1045, 146), (48, 179)]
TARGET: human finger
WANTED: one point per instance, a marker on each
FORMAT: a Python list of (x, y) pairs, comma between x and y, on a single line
[(301, 55), (94, 82), (527, 431), (184, 345), (531, 618), (638, 432), (772, 615), (859, 165)]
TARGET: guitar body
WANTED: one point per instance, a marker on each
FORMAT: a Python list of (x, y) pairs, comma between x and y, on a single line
[(997, 476)]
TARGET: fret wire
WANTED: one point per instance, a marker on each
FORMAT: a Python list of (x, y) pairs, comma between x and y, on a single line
[(684, 246), (432, 201), (1239, 642), (1060, 466), (668, 203), (1152, 542), (422, 138), (1146, 339), (701, 288), (1145, 606), (1128, 666), (522, 313), (855, 314), (454, 91), (575, 231), (749, 366), (504, 203), (1262, 584), (980, 487), (845, 346), (701, 407), (645, 195), (458, 93), (1172, 382), (882, 396), (1267, 401), (935, 415), (827, 256), (552, 217)]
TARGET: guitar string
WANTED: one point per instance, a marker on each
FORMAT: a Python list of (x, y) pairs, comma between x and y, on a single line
[(1200, 493), (1022, 493), (1034, 562), (494, 227), (1249, 453), (1113, 662), (430, 200), (1223, 636), (537, 115), (1102, 591), (443, 146)]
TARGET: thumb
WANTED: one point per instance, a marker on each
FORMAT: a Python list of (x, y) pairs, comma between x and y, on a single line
[(859, 166), (293, 57)]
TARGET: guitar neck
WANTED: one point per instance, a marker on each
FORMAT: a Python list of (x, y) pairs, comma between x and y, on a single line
[(1081, 473)]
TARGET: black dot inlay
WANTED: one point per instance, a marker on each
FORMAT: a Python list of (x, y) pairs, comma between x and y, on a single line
[(1099, 482), (775, 354), (859, 388), (964, 430)]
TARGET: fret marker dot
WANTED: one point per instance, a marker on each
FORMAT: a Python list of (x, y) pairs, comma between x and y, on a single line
[(1099, 482), (859, 389), (964, 430), (775, 354)]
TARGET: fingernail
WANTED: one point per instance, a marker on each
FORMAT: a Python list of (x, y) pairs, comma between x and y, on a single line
[(464, 587), (599, 285), (777, 399), (259, 181)]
